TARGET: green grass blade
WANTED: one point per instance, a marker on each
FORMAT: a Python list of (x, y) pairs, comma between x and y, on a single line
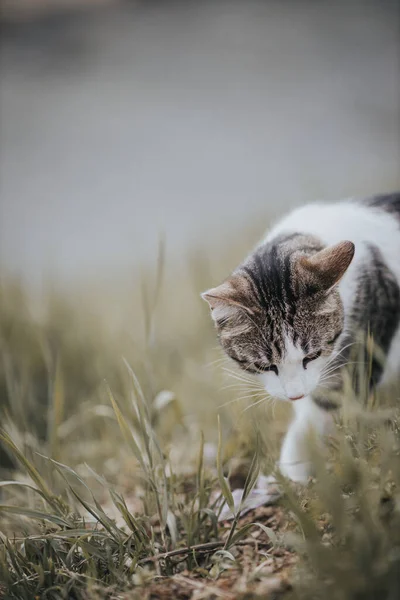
[(23, 485), (34, 514), (126, 431), (252, 475), (243, 531), (222, 480), (32, 471), (57, 410)]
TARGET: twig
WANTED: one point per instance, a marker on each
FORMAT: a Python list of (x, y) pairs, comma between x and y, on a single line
[(199, 548)]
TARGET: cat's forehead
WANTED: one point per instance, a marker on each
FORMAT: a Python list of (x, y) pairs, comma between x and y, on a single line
[(288, 347)]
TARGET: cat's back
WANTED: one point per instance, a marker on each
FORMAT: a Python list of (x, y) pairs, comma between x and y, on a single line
[(371, 222)]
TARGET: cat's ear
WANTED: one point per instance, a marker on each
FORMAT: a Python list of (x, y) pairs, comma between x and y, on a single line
[(226, 299), (327, 267)]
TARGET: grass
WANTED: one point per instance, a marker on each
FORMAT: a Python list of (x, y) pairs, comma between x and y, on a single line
[(115, 462)]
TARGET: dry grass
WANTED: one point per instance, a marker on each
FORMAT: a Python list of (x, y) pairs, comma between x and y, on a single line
[(114, 474)]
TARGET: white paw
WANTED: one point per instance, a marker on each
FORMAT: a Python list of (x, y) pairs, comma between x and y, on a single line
[(265, 492), (266, 482), (298, 472)]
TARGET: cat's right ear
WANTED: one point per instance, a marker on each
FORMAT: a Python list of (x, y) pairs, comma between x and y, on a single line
[(225, 300), (326, 268)]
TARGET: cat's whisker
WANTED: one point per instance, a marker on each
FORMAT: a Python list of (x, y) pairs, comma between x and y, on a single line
[(324, 376), (254, 394), (272, 404), (338, 353), (329, 366), (243, 388), (328, 376), (237, 373), (329, 381), (255, 403), (249, 390), (238, 376), (217, 361), (241, 384), (243, 376), (228, 402), (340, 366), (250, 396), (337, 371), (331, 370), (333, 366)]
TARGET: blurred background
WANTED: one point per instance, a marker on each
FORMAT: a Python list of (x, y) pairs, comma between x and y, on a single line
[(121, 121)]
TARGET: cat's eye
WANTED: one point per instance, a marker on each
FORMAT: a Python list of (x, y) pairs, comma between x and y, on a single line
[(310, 358), (264, 368), (238, 360), (331, 342)]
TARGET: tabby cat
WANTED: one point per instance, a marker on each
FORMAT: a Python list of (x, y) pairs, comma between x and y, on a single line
[(290, 313)]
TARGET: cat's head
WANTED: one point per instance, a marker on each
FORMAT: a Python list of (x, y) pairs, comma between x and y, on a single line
[(279, 314)]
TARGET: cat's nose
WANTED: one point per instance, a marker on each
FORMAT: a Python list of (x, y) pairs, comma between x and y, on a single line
[(296, 397)]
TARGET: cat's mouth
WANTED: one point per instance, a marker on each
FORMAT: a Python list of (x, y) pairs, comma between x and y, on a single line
[(294, 398)]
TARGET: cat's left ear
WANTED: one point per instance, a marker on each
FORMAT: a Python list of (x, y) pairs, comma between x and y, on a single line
[(327, 267), (228, 298)]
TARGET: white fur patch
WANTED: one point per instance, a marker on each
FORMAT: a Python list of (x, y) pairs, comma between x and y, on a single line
[(293, 380)]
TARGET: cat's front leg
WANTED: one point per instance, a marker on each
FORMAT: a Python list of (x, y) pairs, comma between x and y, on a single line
[(295, 461)]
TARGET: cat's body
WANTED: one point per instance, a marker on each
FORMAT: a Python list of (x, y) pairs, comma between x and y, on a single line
[(292, 311)]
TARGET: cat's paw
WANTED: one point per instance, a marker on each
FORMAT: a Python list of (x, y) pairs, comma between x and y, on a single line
[(266, 491), (270, 484), (299, 472)]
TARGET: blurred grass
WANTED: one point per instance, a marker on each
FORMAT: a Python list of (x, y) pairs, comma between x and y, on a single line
[(54, 360), (109, 400)]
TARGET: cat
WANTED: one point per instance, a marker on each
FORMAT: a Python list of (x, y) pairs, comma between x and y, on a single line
[(290, 313)]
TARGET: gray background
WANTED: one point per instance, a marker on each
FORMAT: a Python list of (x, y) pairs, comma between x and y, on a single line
[(192, 118)]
